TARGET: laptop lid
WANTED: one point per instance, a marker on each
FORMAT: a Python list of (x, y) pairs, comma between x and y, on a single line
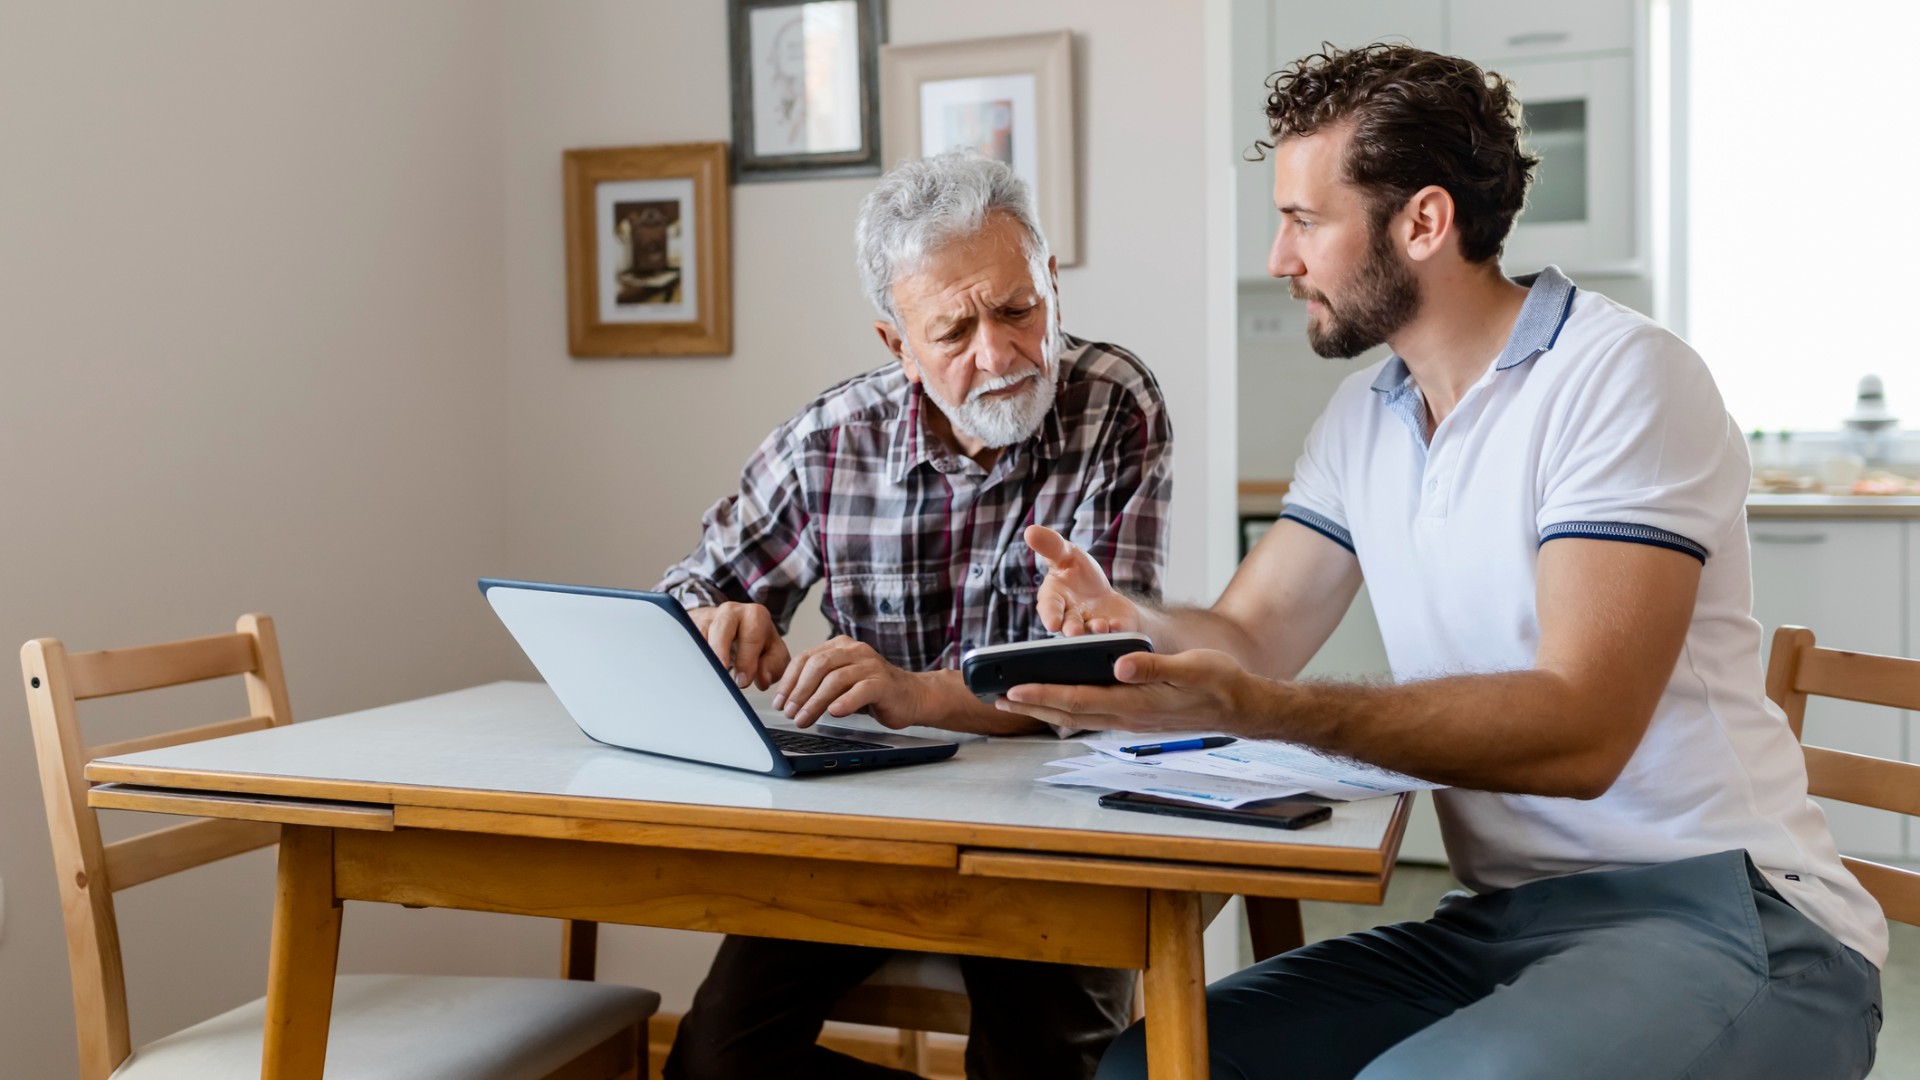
[(633, 671)]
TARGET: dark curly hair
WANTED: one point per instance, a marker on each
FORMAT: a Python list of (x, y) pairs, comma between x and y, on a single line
[(1419, 119)]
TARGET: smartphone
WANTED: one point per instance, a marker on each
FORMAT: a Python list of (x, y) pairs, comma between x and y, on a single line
[(1291, 812), (1086, 660)]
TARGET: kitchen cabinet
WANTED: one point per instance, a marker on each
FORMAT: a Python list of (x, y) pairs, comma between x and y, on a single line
[(1844, 580), (1581, 211), (1509, 29)]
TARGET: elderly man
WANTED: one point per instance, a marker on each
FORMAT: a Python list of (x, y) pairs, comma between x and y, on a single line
[(904, 492)]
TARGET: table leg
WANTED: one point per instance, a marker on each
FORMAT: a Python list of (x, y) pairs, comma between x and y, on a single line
[(1176, 988), (306, 949), (1274, 926)]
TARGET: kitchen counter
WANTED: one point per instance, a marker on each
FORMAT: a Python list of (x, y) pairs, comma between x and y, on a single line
[(1261, 498), (1833, 506)]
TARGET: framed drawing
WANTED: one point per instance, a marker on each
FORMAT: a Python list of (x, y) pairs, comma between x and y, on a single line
[(806, 101), (1009, 98), (647, 247)]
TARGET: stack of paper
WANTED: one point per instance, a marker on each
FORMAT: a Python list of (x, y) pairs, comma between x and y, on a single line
[(1233, 775)]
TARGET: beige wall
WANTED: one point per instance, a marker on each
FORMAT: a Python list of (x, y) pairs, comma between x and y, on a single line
[(282, 329), (250, 360)]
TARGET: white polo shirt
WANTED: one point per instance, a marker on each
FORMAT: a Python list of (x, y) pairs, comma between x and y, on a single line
[(1594, 422)]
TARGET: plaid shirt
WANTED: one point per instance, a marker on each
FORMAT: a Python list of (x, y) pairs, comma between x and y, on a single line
[(919, 547)]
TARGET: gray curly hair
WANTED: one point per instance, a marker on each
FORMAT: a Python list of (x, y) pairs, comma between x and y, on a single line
[(919, 206)]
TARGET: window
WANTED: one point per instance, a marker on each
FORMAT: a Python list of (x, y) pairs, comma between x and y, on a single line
[(1799, 204)]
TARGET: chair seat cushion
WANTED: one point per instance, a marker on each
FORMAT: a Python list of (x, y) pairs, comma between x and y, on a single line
[(408, 1027)]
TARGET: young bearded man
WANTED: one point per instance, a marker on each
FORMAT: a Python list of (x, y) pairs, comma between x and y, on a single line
[(1545, 497), (903, 494)]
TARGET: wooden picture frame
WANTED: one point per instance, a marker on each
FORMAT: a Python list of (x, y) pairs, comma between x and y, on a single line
[(805, 78), (648, 248), (1010, 97)]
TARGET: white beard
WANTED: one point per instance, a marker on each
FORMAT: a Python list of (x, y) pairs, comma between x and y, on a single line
[(1001, 422)]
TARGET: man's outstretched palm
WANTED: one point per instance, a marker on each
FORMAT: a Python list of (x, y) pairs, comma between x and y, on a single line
[(1076, 597)]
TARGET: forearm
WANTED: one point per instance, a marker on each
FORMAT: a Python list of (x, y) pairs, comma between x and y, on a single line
[(950, 705), (1523, 732), (1177, 628)]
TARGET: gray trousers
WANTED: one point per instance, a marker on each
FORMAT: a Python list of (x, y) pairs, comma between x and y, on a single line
[(1693, 969)]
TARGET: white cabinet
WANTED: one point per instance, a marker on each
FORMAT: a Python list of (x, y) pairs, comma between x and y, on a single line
[(1842, 580), (1581, 213), (1504, 29)]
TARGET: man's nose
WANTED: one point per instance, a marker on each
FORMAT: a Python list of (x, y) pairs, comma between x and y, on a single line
[(998, 353), (1283, 259)]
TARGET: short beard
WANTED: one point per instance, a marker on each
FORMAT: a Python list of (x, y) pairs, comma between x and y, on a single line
[(999, 423), (1385, 297)]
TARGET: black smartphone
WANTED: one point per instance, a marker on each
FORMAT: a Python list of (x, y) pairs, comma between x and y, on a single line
[(1291, 812), (1086, 660)]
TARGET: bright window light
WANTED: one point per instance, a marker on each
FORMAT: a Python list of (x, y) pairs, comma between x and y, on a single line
[(1801, 208)]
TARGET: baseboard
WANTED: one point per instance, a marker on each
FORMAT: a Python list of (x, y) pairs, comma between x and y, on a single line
[(945, 1058)]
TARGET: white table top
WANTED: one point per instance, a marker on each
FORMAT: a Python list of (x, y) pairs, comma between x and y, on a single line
[(515, 737)]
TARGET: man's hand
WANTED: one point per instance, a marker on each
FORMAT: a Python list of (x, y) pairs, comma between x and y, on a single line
[(1076, 597), (845, 676), (743, 637), (1201, 688)]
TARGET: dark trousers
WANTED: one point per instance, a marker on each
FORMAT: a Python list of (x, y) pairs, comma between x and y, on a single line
[(760, 1011), (1692, 970)]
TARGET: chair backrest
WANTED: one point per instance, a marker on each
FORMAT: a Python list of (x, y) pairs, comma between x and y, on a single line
[(1799, 669), (90, 872)]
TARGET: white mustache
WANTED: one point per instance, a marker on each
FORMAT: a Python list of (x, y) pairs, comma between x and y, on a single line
[(1001, 383)]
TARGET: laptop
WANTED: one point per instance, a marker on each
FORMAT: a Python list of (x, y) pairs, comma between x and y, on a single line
[(633, 671)]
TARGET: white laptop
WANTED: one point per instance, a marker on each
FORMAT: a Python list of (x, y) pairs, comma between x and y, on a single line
[(633, 671)]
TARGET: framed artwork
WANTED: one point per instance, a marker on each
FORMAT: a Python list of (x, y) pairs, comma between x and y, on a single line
[(647, 248), (1010, 98), (806, 101)]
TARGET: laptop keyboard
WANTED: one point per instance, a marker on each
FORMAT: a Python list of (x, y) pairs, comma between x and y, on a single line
[(800, 742)]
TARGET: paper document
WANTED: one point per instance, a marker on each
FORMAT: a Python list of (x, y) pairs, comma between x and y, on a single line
[(1168, 783), (1286, 767)]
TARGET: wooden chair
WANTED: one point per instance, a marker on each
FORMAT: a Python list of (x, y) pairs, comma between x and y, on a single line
[(382, 1025), (1798, 669)]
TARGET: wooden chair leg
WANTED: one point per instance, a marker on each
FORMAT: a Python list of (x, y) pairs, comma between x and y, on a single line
[(579, 945), (913, 1050), (1274, 925)]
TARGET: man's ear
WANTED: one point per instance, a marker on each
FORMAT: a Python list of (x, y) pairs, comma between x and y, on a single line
[(1427, 222), (896, 344)]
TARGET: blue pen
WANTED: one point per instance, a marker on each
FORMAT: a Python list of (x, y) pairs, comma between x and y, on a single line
[(1207, 743)]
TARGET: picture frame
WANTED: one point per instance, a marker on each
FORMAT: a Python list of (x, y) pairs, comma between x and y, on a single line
[(805, 77), (647, 251), (1008, 97)]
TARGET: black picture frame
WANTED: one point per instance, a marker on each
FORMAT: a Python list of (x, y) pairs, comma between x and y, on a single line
[(748, 166)]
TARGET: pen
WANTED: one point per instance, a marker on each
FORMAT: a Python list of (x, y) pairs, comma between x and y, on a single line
[(1207, 743)]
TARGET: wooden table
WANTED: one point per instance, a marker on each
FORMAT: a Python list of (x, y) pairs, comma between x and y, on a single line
[(489, 799)]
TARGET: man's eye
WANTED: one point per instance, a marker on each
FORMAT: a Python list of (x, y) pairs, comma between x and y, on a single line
[(1304, 225), (1017, 312), (949, 337)]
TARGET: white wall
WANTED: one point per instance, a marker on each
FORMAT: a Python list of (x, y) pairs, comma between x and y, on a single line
[(613, 461), (251, 359)]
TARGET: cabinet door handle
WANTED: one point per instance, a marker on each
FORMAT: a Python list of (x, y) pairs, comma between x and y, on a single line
[(1789, 538), (1537, 37)]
